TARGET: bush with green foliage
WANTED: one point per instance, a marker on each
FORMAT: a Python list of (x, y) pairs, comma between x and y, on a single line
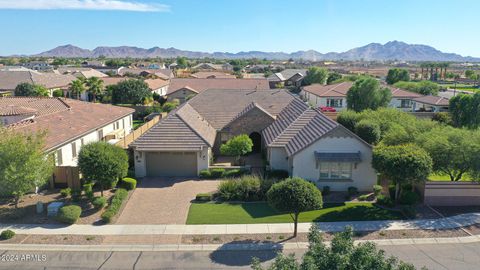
[(217, 173), (69, 214), (169, 106), (363, 197), (99, 202), (115, 205), (203, 197), (465, 110), (66, 192), (233, 173), (316, 75), (385, 201), (423, 87), (349, 119), (442, 118), (397, 74), (409, 197), (333, 77), (88, 187), (246, 188), (205, 174), (409, 212), (369, 131), (237, 146), (57, 93), (342, 253), (377, 190), (129, 183), (7, 234), (30, 90), (294, 195), (132, 91), (366, 93)]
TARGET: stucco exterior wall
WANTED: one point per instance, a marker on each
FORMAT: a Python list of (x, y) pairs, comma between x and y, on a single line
[(181, 95), (278, 159), (317, 101), (397, 103), (363, 175), (140, 164), (254, 120)]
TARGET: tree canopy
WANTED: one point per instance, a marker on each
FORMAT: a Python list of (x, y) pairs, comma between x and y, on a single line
[(397, 74), (465, 110), (23, 164), (76, 87), (316, 75), (422, 87), (103, 163), (294, 195), (333, 77), (95, 87), (30, 90), (237, 146), (366, 93), (131, 91)]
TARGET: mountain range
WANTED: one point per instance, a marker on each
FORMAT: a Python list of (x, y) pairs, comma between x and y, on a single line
[(393, 50)]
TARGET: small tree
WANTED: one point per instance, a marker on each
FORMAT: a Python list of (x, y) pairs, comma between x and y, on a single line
[(397, 74), (131, 91), (23, 165), (294, 195), (333, 77), (237, 146), (367, 94), (76, 87), (95, 87), (403, 164), (30, 90), (316, 75), (103, 163), (369, 131)]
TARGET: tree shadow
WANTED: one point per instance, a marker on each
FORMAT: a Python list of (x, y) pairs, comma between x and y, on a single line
[(241, 253), (359, 213)]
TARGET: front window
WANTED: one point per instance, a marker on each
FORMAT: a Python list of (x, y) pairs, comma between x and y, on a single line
[(335, 170), (336, 103), (405, 103)]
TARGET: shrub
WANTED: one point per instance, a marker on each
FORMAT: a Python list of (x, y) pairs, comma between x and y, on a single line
[(129, 183), (7, 234), (278, 174), (363, 197), (69, 214), (247, 188), (409, 212), (377, 190), (217, 173), (442, 117), (57, 93), (66, 192), (368, 131), (233, 173), (409, 198), (88, 187), (385, 201), (90, 195), (348, 119), (352, 191), (227, 190), (325, 190), (115, 205), (99, 202), (205, 174), (203, 197)]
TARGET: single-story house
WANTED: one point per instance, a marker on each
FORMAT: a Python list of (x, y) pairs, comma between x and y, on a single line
[(213, 67), (11, 77), (181, 88), (81, 72), (158, 86), (38, 65), (431, 104), (165, 74), (292, 136), (402, 99), (212, 75), (334, 95), (288, 77), (69, 124)]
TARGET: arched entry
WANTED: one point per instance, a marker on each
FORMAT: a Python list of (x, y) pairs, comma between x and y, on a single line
[(257, 142)]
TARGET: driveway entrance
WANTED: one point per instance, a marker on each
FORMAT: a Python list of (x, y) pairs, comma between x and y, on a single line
[(163, 200)]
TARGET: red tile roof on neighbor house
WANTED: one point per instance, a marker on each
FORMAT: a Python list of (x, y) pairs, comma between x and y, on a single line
[(65, 119), (400, 93), (332, 90), (433, 100), (200, 85)]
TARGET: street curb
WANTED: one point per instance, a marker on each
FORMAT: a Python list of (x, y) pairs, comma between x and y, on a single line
[(229, 247)]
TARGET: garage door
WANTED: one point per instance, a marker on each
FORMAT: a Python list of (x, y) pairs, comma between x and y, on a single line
[(171, 164)]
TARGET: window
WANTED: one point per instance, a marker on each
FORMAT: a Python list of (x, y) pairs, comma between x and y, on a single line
[(405, 103), (74, 149), (100, 134), (336, 103), (59, 157), (335, 170)]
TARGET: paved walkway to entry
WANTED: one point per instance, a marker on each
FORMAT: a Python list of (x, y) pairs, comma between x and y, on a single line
[(173, 229), (163, 200)]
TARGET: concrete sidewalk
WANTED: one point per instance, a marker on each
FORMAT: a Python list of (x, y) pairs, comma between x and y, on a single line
[(173, 229)]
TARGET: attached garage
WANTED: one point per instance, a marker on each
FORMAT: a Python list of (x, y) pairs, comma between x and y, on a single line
[(171, 164)]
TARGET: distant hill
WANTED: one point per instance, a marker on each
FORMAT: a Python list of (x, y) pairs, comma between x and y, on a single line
[(393, 50)]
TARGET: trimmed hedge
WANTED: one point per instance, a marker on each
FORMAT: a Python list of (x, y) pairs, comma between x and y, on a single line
[(115, 205), (99, 202), (246, 188), (217, 173), (205, 174), (129, 183), (69, 214), (203, 197), (7, 234)]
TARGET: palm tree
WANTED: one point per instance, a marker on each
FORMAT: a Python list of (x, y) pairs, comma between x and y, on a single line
[(76, 87), (95, 86)]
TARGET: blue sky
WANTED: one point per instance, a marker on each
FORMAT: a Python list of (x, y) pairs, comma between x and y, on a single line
[(33, 26)]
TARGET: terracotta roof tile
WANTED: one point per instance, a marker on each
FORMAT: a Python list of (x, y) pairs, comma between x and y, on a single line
[(201, 85)]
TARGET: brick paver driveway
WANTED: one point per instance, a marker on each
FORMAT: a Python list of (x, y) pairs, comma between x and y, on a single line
[(163, 200)]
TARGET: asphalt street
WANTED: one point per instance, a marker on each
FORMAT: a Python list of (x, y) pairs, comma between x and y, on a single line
[(438, 256)]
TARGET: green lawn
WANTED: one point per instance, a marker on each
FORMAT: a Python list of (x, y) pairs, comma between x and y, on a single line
[(261, 212), (137, 123)]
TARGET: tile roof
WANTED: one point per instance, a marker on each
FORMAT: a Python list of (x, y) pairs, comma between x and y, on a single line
[(212, 75), (286, 74), (433, 100), (154, 84), (81, 72), (65, 119), (11, 109), (220, 106), (9, 79), (182, 130), (248, 108), (113, 80), (162, 73), (333, 90), (400, 93), (200, 85)]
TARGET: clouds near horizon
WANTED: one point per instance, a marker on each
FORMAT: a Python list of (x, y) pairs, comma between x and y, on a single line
[(119, 5)]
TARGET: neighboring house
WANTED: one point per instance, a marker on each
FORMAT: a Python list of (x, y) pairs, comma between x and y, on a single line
[(69, 124), (81, 72), (288, 77), (151, 65), (431, 104), (38, 65), (213, 67), (158, 86), (402, 99), (212, 75), (165, 74), (293, 137), (93, 64), (334, 95), (112, 80), (10, 78), (180, 88)]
